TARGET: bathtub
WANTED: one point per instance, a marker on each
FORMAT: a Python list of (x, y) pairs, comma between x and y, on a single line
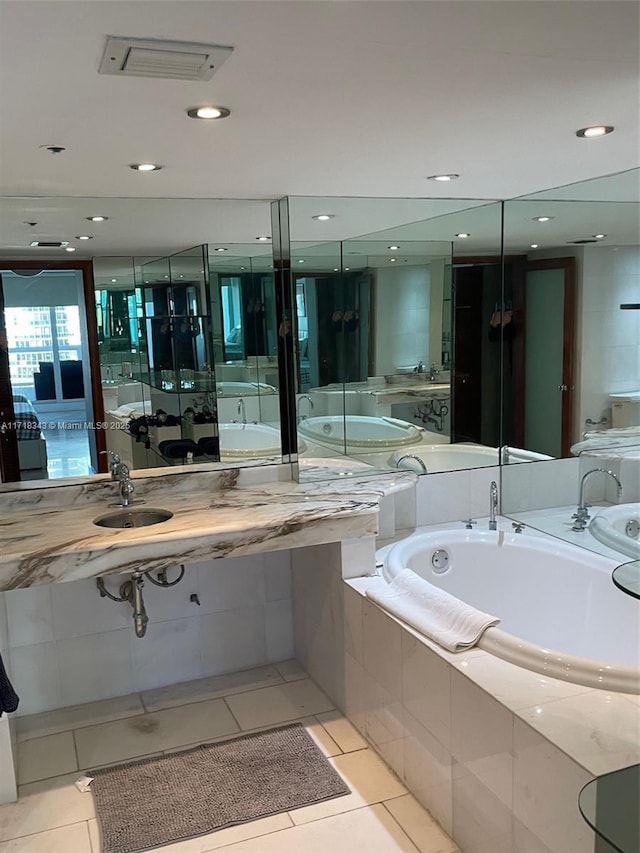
[(243, 389), (360, 433), (250, 441), (560, 613), (618, 527), (454, 457)]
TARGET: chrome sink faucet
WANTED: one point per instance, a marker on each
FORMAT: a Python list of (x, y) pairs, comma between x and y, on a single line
[(433, 373), (114, 461), (310, 401), (125, 484), (581, 515), (242, 411), (493, 505)]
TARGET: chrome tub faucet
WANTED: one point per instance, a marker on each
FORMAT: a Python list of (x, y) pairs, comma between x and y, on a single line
[(581, 515), (310, 401), (242, 411), (417, 458)]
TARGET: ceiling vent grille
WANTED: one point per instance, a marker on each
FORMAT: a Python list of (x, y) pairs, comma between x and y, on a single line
[(175, 60), (49, 244)]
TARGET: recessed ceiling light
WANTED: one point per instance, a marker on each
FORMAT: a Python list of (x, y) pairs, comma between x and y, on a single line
[(145, 167), (84, 237), (393, 248), (534, 245), (542, 218), (97, 218), (346, 269), (594, 131), (599, 236), (463, 235), (70, 249), (335, 269), (208, 112), (392, 260), (221, 249), (263, 239), (114, 280), (301, 261), (324, 217), (443, 178), (243, 268)]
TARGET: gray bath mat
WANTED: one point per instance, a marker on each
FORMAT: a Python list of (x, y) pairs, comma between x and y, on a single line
[(155, 801)]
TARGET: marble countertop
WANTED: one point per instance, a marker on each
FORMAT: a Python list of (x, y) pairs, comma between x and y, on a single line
[(47, 535)]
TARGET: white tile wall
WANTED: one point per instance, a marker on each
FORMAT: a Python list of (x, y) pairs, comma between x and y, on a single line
[(67, 645)]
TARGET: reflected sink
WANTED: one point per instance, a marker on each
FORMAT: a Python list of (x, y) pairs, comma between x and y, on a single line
[(127, 518)]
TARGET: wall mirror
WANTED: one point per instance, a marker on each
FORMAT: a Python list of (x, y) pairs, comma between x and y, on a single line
[(397, 362), (573, 391), (143, 276)]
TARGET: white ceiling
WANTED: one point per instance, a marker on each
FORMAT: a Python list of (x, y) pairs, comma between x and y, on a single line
[(332, 98)]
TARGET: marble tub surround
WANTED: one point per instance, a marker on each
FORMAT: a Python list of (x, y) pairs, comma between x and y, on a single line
[(498, 754), (48, 535)]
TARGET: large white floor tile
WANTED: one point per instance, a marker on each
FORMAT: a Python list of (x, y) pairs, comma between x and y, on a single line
[(343, 733), (213, 841), (278, 704), (44, 757), (422, 829), (369, 780), (45, 805), (147, 733), (66, 839), (78, 716), (210, 688), (371, 829)]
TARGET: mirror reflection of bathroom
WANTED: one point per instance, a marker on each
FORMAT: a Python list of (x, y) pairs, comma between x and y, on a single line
[(395, 368), (188, 356), (575, 388)]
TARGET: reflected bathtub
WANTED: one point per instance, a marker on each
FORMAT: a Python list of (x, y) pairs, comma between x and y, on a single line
[(360, 433), (244, 389), (560, 613), (618, 527), (454, 457), (249, 441)]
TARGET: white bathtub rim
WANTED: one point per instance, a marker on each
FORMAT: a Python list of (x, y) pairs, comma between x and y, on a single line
[(588, 672)]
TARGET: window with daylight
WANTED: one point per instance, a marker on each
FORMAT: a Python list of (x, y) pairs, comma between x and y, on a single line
[(38, 334)]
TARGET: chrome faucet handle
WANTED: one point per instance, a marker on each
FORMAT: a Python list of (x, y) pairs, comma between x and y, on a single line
[(518, 526), (469, 522)]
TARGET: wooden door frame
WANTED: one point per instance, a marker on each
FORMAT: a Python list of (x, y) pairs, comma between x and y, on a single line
[(88, 288), (568, 265)]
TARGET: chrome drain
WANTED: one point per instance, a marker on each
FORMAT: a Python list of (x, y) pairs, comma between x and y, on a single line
[(633, 528), (440, 561)]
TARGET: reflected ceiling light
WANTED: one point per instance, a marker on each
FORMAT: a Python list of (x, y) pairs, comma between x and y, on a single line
[(335, 269), (542, 218), (70, 249), (599, 236), (443, 178), (594, 131), (113, 280), (346, 269), (97, 218), (463, 235), (393, 260), (393, 248), (301, 261), (263, 239), (243, 268), (324, 217), (208, 113), (84, 237), (534, 245), (145, 167), (221, 249)]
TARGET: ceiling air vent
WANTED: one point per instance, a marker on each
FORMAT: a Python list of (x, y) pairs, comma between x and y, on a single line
[(581, 242), (49, 244), (176, 60)]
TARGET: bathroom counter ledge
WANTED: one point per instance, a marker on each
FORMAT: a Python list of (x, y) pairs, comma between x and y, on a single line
[(47, 535)]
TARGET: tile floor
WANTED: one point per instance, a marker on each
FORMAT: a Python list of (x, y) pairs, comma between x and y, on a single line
[(52, 816)]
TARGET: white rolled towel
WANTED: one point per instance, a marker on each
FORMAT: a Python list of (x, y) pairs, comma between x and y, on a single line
[(442, 617)]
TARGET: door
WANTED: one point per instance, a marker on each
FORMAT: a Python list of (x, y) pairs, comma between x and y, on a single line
[(548, 311)]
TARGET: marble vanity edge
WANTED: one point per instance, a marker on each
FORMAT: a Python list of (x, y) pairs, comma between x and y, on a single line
[(227, 521)]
